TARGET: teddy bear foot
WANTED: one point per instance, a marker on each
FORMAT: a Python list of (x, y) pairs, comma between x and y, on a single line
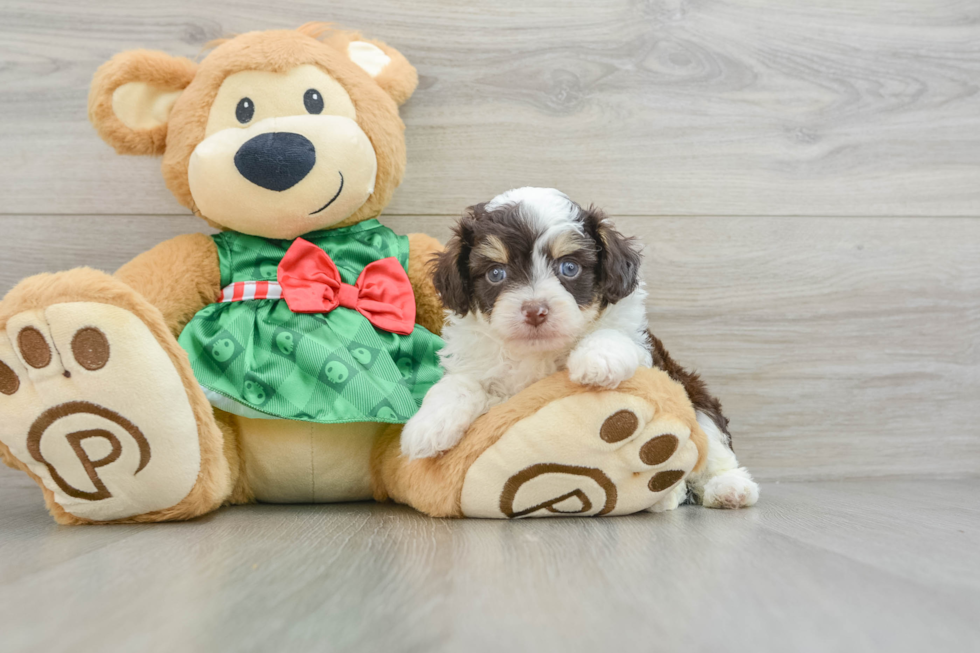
[(672, 500), (592, 454), (94, 409)]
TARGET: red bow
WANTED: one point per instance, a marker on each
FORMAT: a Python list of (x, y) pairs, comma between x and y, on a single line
[(383, 294)]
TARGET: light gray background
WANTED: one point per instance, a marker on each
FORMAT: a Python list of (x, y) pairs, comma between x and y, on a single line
[(806, 178)]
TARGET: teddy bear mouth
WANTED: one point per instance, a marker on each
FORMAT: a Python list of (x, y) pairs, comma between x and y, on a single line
[(336, 195)]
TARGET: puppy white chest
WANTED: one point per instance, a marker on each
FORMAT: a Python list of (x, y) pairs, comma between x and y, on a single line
[(514, 373)]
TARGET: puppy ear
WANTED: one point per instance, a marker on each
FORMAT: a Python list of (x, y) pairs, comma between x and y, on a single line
[(618, 257), (452, 273), (131, 98)]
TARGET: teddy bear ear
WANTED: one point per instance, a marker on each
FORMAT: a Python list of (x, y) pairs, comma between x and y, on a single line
[(132, 96), (389, 68), (386, 65)]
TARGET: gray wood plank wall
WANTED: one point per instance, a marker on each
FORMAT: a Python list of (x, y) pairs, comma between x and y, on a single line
[(806, 177)]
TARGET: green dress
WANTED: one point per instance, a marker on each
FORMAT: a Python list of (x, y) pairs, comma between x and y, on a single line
[(257, 358)]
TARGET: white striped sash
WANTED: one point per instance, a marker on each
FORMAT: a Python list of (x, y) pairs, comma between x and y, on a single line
[(242, 291)]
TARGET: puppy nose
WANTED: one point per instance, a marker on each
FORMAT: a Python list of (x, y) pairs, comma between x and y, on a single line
[(535, 313), (276, 160)]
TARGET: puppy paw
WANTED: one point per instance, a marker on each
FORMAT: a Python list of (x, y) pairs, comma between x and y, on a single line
[(430, 433), (602, 364), (732, 489)]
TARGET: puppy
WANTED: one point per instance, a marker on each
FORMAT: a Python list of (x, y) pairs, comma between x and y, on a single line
[(536, 284)]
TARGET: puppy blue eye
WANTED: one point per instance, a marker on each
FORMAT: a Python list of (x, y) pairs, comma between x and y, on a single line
[(569, 269), (496, 274)]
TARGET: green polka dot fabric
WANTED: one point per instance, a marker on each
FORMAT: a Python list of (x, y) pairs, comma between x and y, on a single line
[(259, 359)]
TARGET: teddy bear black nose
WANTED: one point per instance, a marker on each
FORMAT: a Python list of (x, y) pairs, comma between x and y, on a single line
[(277, 160)]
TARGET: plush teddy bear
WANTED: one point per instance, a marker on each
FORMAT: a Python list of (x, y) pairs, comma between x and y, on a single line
[(277, 360)]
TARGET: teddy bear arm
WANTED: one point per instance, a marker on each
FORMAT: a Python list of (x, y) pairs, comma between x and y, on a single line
[(429, 311), (179, 277)]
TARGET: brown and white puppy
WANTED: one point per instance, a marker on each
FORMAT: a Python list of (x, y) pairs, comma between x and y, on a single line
[(535, 284)]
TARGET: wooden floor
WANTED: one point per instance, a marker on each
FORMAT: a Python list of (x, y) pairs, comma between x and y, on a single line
[(859, 565)]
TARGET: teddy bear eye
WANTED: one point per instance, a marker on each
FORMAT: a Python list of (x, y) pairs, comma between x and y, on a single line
[(313, 101), (245, 110)]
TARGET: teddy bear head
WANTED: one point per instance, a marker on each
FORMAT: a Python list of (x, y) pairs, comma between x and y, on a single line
[(273, 134)]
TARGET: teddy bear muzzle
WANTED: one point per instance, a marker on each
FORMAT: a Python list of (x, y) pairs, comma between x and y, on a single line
[(283, 177)]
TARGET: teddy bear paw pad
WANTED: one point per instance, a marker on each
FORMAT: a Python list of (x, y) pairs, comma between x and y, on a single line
[(94, 407), (604, 453)]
